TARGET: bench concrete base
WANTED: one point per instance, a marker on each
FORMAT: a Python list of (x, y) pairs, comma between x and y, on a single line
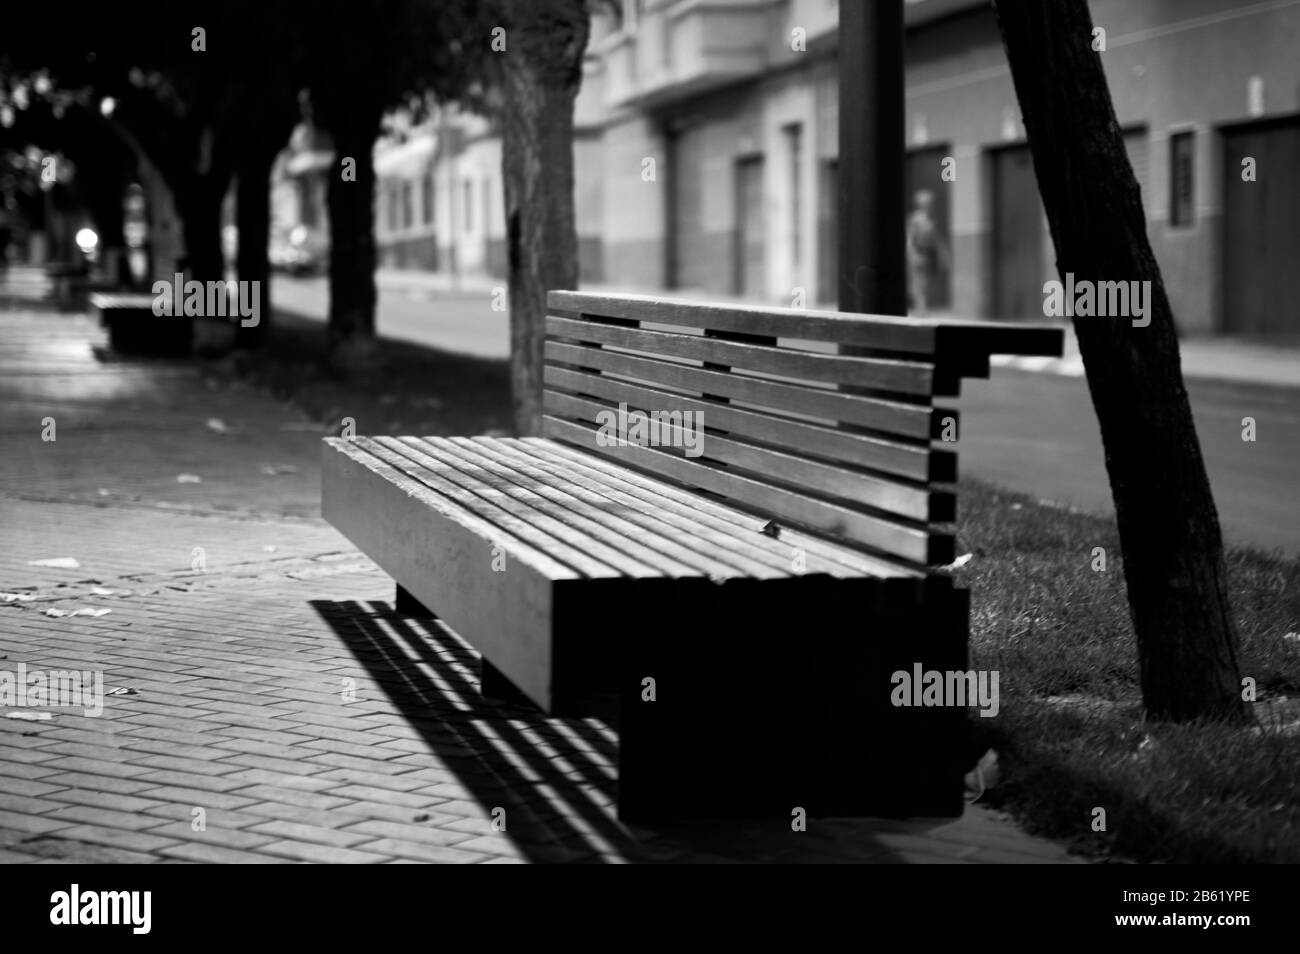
[(763, 705)]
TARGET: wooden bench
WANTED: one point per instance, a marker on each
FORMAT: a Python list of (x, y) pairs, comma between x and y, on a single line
[(133, 328), (746, 606)]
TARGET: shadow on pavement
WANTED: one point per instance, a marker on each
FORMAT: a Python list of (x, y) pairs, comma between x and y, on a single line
[(555, 777)]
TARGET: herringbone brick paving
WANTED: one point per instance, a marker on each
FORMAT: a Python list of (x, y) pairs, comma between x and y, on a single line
[(275, 707)]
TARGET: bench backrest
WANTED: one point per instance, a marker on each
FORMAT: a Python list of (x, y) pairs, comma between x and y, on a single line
[(792, 428)]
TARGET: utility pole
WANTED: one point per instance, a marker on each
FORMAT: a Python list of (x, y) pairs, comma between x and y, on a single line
[(872, 207)]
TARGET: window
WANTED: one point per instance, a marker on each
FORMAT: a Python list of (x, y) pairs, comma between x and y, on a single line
[(427, 210), (487, 204), (794, 155), (1182, 196), (407, 210), (392, 206), (468, 205)]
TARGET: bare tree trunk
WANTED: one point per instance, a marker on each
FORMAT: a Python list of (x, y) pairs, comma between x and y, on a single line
[(253, 220), (1169, 528), (272, 123), (199, 205), (352, 237), (542, 70)]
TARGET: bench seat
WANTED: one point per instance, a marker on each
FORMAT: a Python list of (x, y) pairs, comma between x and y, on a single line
[(134, 329), (617, 576)]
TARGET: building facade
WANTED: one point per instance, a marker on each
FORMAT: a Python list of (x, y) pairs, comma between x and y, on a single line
[(706, 156)]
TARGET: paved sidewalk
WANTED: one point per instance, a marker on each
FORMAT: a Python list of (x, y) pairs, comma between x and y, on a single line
[(264, 701)]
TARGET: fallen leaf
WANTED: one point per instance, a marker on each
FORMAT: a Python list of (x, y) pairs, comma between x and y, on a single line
[(101, 591), (217, 425), (960, 562), (122, 691), (16, 597), (1292, 637), (269, 548), (91, 612), (59, 563), (29, 716), (54, 611), (189, 479)]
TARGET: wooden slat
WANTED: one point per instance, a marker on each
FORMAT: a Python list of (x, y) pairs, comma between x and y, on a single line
[(682, 540), (508, 522), (989, 338), (922, 336), (908, 335), (857, 488), (917, 544), (439, 552), (737, 530), (908, 377), (441, 456), (652, 489), (915, 461), (575, 509), (731, 541), (892, 417)]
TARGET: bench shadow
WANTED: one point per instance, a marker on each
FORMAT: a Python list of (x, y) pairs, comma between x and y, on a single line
[(556, 777)]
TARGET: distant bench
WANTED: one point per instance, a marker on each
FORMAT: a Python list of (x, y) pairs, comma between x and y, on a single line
[(761, 583), (133, 328)]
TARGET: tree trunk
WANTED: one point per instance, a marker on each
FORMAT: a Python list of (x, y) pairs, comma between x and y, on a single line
[(200, 209), (253, 220), (352, 237), (542, 70), (1169, 528)]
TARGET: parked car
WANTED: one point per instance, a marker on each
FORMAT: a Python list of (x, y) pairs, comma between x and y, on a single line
[(298, 250)]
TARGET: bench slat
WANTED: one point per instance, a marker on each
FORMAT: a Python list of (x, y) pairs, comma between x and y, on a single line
[(908, 377), (583, 513), (503, 522), (662, 496), (438, 552), (440, 456), (728, 542), (916, 544), (942, 340), (859, 489), (898, 334), (712, 557), (916, 421), (906, 460), (361, 456)]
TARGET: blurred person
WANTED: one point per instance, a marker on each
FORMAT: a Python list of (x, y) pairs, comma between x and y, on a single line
[(927, 253)]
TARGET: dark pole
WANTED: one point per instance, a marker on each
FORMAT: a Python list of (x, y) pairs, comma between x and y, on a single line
[(872, 209)]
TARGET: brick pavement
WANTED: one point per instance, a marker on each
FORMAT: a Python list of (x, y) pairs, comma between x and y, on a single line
[(275, 707)]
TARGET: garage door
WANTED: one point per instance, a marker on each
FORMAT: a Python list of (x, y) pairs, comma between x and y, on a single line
[(1261, 238)]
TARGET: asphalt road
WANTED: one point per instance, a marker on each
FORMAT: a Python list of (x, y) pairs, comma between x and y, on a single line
[(1032, 432)]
